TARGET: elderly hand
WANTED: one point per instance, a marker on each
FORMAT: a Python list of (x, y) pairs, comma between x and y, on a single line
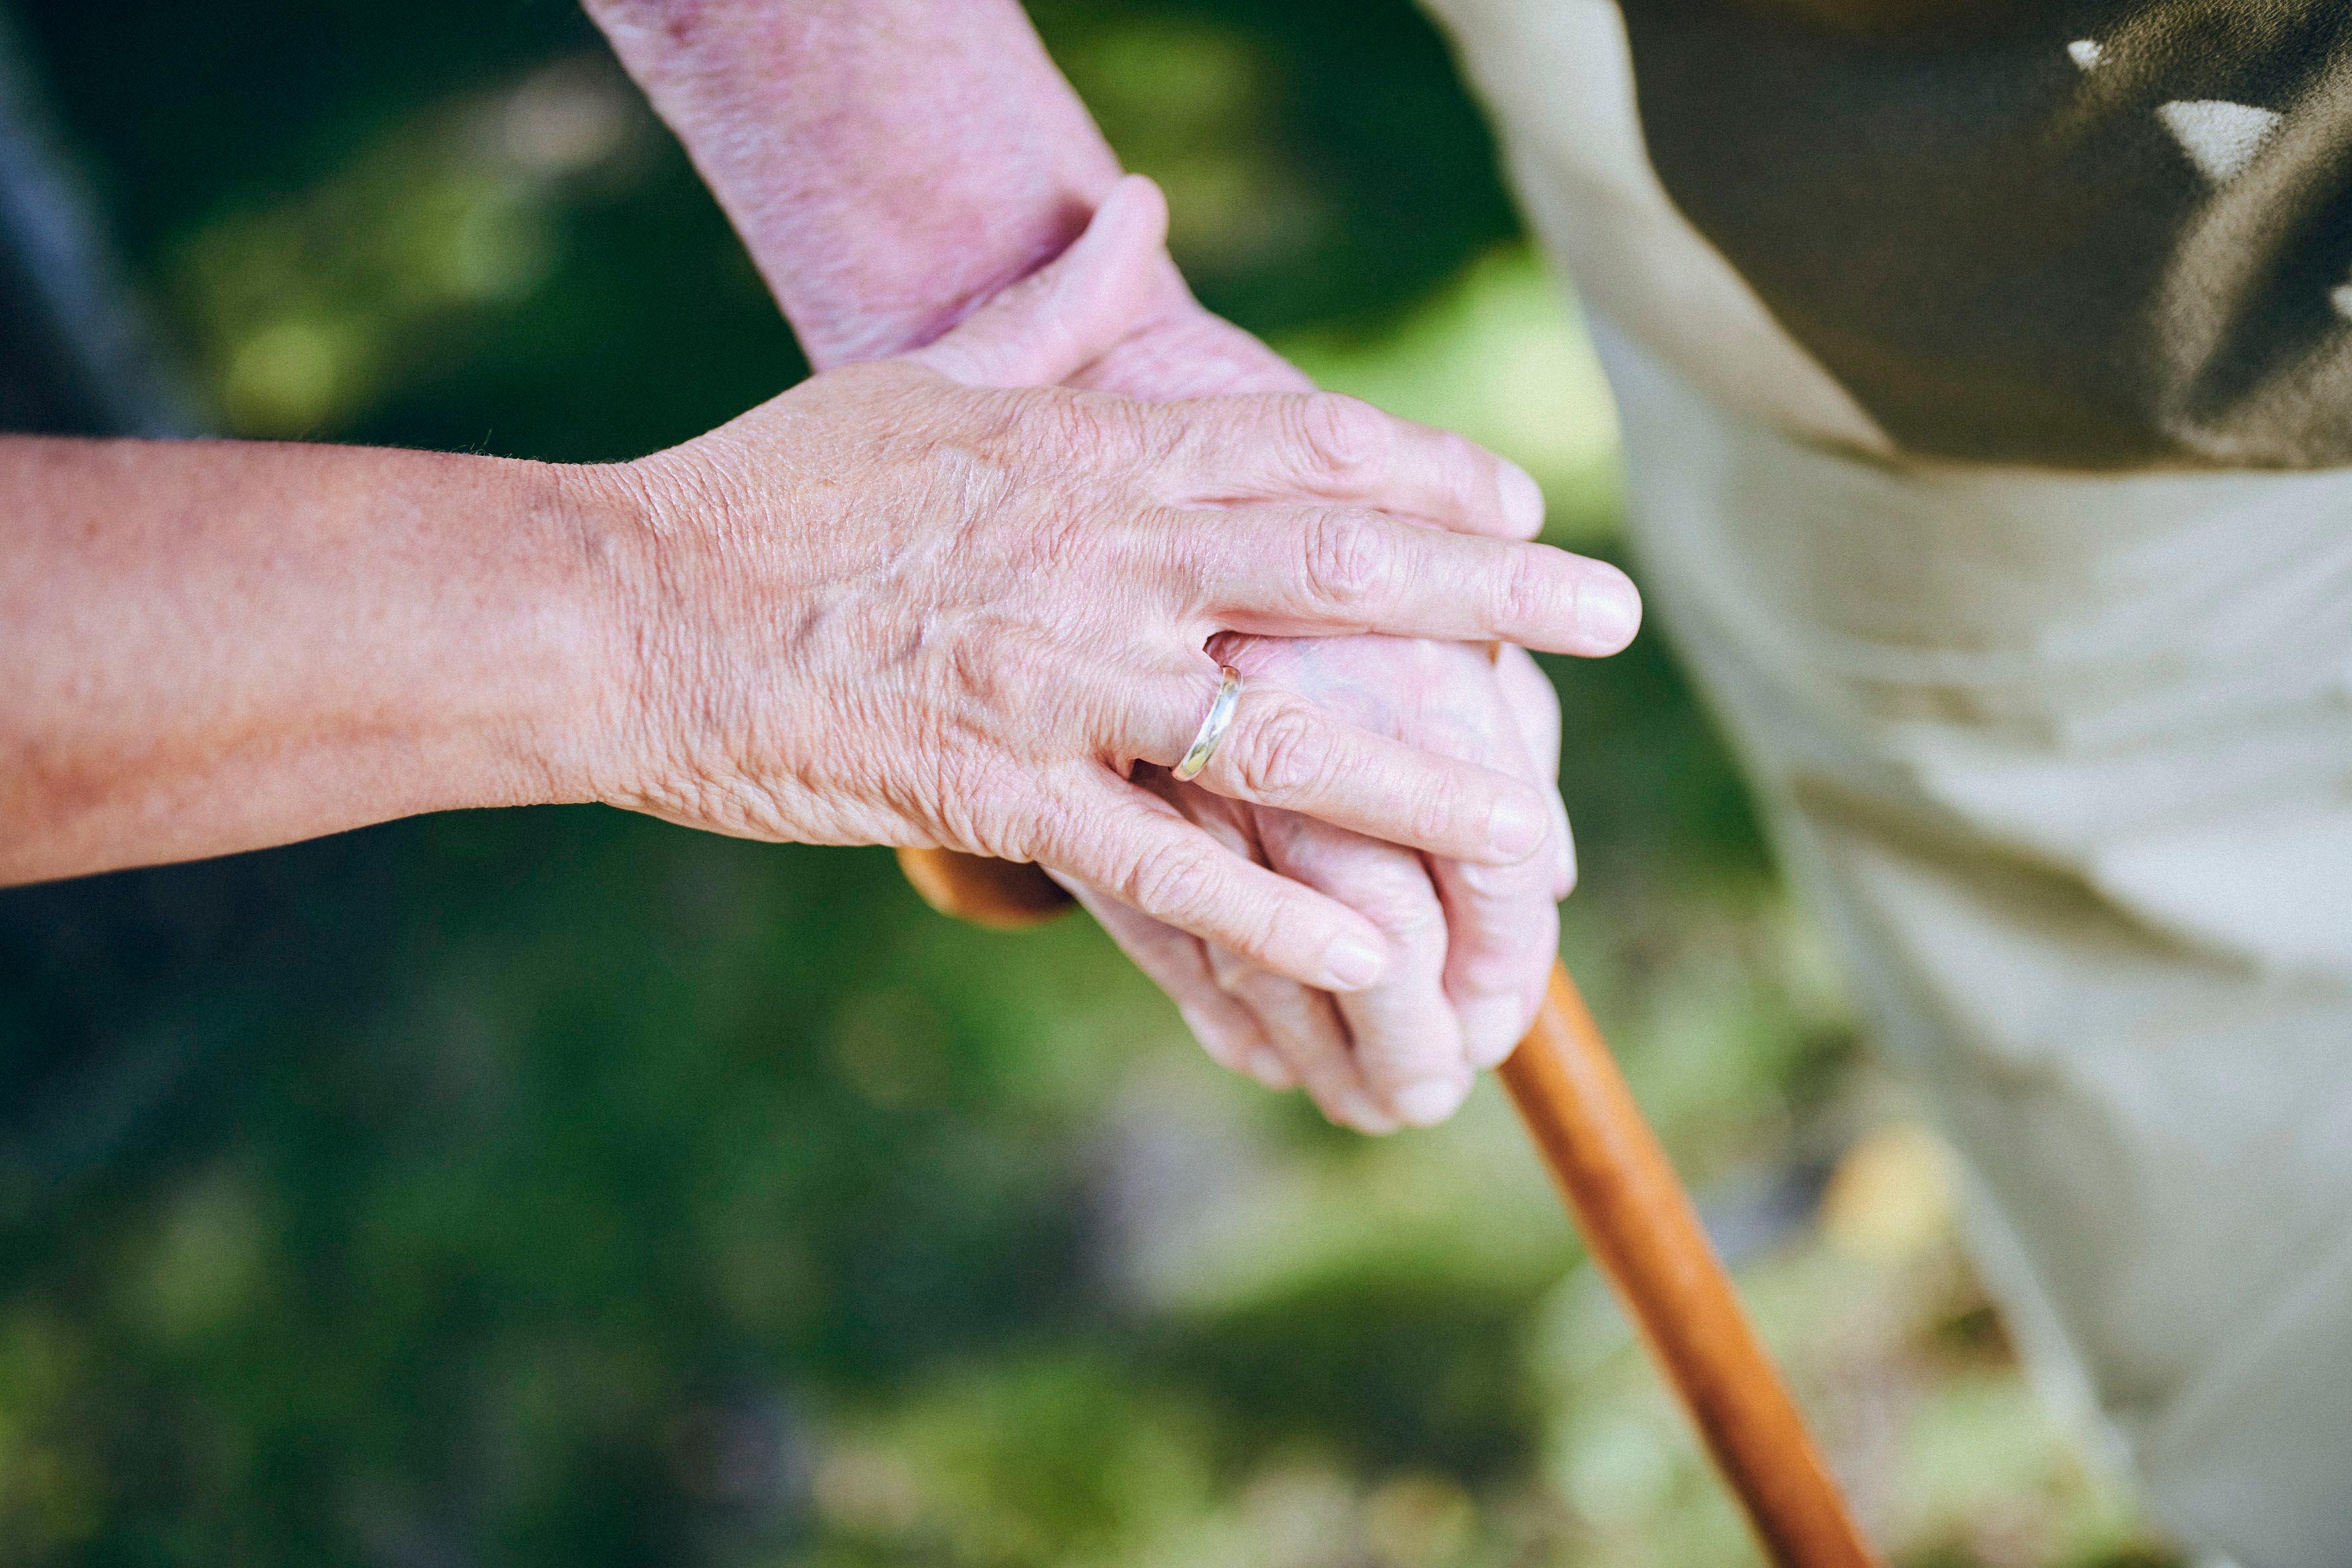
[(1470, 946), (907, 603)]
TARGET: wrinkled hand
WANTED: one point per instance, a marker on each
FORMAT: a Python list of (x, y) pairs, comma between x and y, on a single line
[(1470, 945), (907, 603)]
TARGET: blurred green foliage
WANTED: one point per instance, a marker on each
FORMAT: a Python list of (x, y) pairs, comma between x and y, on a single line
[(563, 1187)]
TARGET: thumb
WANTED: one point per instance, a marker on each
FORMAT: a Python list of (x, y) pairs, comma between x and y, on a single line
[(1071, 311)]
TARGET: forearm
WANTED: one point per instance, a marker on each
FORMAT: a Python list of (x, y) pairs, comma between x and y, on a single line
[(889, 163), (213, 646)]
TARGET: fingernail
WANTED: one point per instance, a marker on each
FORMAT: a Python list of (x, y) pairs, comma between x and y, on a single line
[(1516, 824), (1523, 501), (1352, 962), (1609, 612), (1490, 1028), (1431, 1101)]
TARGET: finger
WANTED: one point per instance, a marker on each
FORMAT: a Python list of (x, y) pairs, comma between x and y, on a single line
[(1408, 1043), (1301, 1025), (1505, 921), (1283, 752), (1334, 571), (1073, 309), (1304, 1027), (1328, 447), (1506, 933), (1113, 835), (1534, 708), (1228, 1032)]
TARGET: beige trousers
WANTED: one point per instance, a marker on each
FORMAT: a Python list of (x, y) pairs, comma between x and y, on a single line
[(2064, 764)]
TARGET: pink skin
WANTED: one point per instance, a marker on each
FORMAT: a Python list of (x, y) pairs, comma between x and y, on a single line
[(890, 164), (939, 600), (889, 607)]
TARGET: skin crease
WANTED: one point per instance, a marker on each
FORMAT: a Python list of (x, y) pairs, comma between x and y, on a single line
[(884, 608), (889, 162)]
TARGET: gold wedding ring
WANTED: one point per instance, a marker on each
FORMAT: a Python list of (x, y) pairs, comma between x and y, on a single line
[(1213, 727)]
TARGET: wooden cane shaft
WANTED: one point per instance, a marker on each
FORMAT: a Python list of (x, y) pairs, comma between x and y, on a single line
[(1002, 895), (1636, 1219), (1639, 1226)]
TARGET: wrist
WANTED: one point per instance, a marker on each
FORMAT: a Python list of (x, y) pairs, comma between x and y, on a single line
[(595, 732)]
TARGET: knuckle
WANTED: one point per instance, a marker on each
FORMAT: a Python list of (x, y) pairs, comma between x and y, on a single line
[(1452, 462), (993, 418), (1164, 435), (1347, 556), (1288, 755), (1173, 880), (1498, 884), (1524, 594), (1255, 927), (1125, 431), (1441, 805), (1341, 434), (1052, 423), (1408, 916)]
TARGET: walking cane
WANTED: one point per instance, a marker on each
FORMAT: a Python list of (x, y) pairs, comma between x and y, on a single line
[(1637, 1221)]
